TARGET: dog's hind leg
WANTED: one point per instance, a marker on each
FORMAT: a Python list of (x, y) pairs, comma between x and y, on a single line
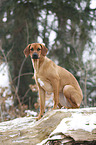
[(73, 96)]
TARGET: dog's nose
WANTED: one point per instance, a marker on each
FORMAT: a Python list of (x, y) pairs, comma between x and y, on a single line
[(35, 56)]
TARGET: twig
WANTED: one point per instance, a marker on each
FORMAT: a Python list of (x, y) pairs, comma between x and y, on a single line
[(25, 95), (24, 74), (18, 83), (9, 51)]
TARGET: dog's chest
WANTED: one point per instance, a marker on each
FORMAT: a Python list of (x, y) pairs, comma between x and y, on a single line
[(43, 83)]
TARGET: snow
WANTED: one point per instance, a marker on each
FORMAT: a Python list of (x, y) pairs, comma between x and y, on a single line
[(5, 17), (43, 142), (49, 103), (20, 141), (30, 113), (9, 102), (52, 37), (18, 123), (90, 109), (93, 4), (78, 120), (4, 79)]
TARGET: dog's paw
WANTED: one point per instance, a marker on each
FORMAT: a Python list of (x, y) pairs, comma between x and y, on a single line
[(39, 117), (55, 107)]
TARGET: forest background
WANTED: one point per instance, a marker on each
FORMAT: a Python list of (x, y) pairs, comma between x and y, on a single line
[(68, 29)]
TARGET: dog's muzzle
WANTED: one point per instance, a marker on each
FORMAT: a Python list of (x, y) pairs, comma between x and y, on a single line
[(35, 56)]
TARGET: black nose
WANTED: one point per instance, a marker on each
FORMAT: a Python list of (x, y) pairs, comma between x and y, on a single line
[(35, 56)]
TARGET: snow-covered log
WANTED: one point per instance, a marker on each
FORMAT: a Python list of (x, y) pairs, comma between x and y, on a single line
[(62, 126)]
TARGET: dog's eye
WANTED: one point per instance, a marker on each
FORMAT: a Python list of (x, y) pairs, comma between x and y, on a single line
[(38, 49), (32, 49)]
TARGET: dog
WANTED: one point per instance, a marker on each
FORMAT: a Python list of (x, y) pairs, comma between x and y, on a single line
[(50, 78)]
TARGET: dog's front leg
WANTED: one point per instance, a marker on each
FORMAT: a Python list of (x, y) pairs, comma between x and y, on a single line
[(55, 85), (42, 103)]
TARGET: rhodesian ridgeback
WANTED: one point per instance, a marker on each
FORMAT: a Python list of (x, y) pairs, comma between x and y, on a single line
[(50, 77)]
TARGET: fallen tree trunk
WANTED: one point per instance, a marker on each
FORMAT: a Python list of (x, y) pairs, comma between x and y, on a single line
[(62, 126)]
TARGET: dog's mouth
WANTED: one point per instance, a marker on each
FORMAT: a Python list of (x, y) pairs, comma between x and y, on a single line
[(35, 56)]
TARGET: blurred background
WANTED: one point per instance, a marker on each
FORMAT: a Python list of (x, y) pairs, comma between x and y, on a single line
[(68, 29)]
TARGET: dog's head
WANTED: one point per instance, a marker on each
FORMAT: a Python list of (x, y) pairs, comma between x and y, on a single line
[(35, 50)]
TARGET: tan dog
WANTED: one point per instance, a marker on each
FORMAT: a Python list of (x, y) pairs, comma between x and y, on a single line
[(50, 77)]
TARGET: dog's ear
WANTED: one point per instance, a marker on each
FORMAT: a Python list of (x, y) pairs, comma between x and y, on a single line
[(43, 50), (27, 50)]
